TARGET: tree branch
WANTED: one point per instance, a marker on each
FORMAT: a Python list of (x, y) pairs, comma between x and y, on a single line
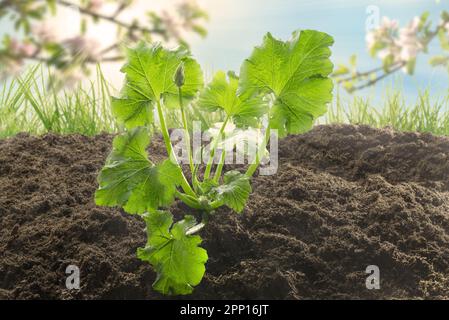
[(360, 74), (112, 19), (4, 4), (96, 15), (394, 67), (383, 76)]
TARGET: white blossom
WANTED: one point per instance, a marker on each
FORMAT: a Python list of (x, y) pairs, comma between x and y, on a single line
[(371, 40), (409, 41), (384, 34), (388, 24), (398, 44)]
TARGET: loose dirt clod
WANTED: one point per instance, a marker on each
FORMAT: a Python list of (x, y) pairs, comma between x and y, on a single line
[(344, 197)]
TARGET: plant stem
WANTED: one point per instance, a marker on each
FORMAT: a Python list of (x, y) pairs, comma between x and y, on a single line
[(186, 133), (189, 200), (253, 167), (212, 150), (216, 204), (220, 167), (184, 183), (195, 229), (375, 80)]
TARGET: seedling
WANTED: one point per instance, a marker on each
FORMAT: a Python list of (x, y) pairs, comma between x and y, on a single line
[(282, 84)]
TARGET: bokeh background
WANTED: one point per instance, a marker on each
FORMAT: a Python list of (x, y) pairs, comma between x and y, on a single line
[(408, 102), (235, 26)]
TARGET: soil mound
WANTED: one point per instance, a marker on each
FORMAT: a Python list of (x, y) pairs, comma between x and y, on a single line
[(344, 197)]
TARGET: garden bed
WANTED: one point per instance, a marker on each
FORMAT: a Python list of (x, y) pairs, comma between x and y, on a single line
[(344, 197)]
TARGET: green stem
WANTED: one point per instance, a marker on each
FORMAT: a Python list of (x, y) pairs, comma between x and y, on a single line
[(186, 133), (192, 202), (212, 151), (220, 167), (216, 204), (195, 229), (253, 167), (184, 183)]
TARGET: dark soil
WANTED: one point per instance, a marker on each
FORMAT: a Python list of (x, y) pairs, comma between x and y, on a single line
[(344, 197)]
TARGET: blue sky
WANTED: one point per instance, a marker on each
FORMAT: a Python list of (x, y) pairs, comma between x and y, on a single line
[(237, 25)]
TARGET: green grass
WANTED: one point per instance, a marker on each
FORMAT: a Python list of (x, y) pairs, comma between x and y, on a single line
[(427, 114), (29, 104)]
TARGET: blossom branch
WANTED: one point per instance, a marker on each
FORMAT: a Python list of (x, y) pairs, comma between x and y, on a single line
[(397, 48), (40, 42), (372, 82), (113, 19)]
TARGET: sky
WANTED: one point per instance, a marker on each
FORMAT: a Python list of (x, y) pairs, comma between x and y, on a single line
[(236, 26)]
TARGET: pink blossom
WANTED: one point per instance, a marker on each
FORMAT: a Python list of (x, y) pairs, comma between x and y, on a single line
[(81, 45), (409, 41), (399, 45), (28, 49), (390, 51), (371, 40), (44, 32), (22, 49), (171, 24), (388, 24), (383, 35), (95, 5)]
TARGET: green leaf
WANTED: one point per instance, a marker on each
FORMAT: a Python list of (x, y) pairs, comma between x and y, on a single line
[(341, 71), (150, 72), (296, 72), (52, 6), (157, 190), (444, 40), (133, 109), (129, 179), (174, 254), (235, 191), (199, 30), (221, 93), (353, 61), (439, 61), (410, 66)]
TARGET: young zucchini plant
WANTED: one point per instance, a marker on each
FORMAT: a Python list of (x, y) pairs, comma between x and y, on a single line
[(284, 85)]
